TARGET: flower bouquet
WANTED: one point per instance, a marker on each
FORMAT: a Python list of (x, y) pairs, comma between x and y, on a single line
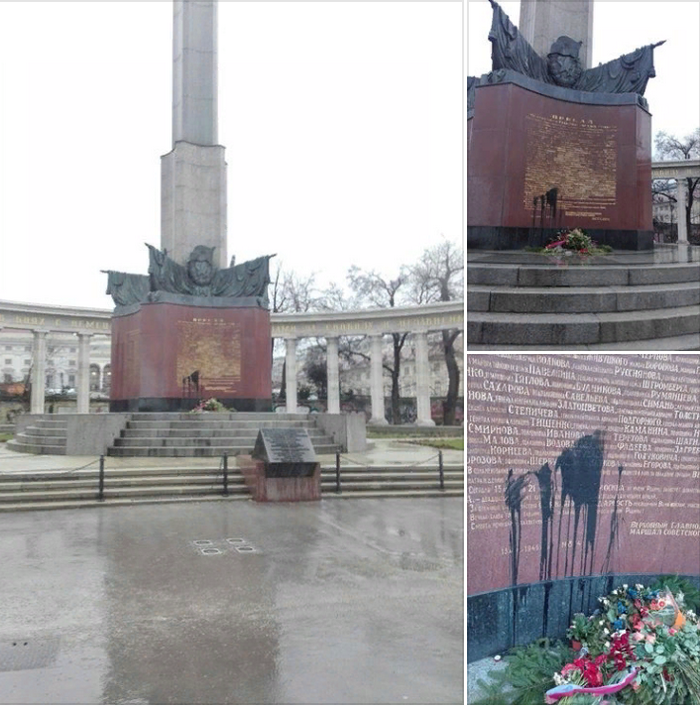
[(212, 405), (642, 647), (568, 242)]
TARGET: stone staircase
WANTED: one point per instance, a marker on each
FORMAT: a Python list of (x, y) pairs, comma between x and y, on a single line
[(392, 481), (79, 488), (46, 437), (207, 434), (598, 306), (151, 485)]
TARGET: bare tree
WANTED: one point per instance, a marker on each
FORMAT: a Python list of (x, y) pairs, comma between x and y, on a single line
[(372, 288), (291, 292), (439, 277), (669, 147)]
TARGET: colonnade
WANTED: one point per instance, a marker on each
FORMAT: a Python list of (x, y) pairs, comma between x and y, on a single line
[(420, 339), (38, 377)]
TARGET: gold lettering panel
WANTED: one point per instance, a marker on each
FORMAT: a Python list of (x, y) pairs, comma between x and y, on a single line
[(213, 348), (578, 157)]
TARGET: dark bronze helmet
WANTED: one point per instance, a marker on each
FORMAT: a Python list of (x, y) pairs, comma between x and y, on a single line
[(563, 63), (199, 265)]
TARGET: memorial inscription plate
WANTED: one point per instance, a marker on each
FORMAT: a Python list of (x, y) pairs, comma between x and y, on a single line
[(575, 155), (582, 465), (287, 452)]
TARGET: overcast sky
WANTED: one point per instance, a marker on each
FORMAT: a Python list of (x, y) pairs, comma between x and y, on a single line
[(619, 28), (342, 123)]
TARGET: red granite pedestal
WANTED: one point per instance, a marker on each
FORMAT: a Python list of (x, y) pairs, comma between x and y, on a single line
[(280, 489), (157, 349), (544, 158)]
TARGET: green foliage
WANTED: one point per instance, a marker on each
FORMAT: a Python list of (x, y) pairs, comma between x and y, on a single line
[(691, 594), (528, 674)]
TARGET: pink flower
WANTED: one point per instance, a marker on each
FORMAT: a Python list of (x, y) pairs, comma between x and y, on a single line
[(637, 636), (672, 630)]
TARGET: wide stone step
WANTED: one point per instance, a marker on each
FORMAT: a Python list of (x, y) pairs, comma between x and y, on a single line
[(589, 275), (570, 329), (388, 485), (49, 504), (427, 476), (196, 424), (35, 449), (686, 342), (483, 298), (112, 482), (35, 438), (117, 492), (116, 451), (206, 441), (251, 417), (408, 493), (181, 433)]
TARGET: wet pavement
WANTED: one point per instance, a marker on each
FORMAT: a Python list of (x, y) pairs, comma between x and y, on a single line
[(339, 601)]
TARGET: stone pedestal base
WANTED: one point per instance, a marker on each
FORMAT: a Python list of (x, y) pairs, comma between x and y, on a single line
[(543, 158), (167, 357), (278, 489)]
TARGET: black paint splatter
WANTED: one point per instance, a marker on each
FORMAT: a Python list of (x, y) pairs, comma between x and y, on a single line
[(514, 495), (581, 468)]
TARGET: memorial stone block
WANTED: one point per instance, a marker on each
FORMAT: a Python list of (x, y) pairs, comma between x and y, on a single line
[(286, 452)]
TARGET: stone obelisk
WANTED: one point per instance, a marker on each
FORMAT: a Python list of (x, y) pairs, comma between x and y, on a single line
[(542, 22), (193, 174)]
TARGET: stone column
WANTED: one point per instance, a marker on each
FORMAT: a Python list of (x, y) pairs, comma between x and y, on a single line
[(423, 416), (193, 174), (681, 201), (290, 393), (542, 22), (333, 376), (376, 383), (84, 373), (38, 371)]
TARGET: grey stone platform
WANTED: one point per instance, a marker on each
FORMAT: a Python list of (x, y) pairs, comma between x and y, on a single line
[(636, 300)]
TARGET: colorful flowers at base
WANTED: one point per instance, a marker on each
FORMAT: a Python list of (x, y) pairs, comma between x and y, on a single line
[(570, 241), (642, 647), (211, 405)]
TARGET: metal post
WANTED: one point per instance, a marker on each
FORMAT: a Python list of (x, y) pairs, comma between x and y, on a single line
[(442, 472), (226, 474), (337, 472), (101, 488)]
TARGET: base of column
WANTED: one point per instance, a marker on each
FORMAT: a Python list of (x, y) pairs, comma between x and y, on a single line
[(377, 421), (425, 423)]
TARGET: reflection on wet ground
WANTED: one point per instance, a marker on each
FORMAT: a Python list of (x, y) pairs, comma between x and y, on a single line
[(342, 601), (661, 253)]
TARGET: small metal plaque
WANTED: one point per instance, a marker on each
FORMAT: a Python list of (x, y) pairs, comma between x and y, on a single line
[(210, 551), (202, 543), (284, 445), (245, 549), (235, 541), (27, 653)]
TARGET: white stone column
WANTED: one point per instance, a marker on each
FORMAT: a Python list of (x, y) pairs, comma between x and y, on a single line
[(423, 416), (333, 376), (290, 393), (681, 201), (38, 371), (376, 382), (84, 373)]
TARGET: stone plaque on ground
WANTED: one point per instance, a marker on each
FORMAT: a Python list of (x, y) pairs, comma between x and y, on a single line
[(286, 452)]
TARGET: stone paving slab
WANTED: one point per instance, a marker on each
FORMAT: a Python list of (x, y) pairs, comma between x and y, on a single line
[(336, 602)]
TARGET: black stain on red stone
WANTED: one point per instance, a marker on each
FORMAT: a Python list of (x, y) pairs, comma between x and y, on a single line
[(580, 468)]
